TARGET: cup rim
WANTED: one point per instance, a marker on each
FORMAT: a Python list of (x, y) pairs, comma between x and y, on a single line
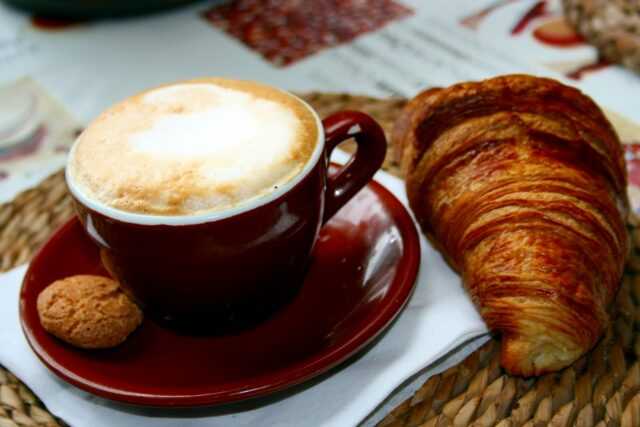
[(152, 219)]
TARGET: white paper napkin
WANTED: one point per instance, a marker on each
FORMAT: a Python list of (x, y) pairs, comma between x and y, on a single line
[(439, 319)]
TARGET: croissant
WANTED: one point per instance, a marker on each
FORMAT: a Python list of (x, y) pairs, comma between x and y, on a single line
[(521, 183)]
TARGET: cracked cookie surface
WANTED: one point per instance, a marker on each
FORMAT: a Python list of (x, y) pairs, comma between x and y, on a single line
[(88, 311)]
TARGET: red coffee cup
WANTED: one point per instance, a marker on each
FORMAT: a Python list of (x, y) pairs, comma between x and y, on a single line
[(239, 264)]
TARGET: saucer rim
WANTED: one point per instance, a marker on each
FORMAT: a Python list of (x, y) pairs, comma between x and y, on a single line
[(401, 289)]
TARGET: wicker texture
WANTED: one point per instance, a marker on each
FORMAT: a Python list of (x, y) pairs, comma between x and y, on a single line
[(601, 389)]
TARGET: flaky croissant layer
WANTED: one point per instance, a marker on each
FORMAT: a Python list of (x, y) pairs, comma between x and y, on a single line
[(521, 182)]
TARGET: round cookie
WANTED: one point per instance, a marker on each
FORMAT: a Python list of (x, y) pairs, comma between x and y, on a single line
[(613, 26), (88, 311)]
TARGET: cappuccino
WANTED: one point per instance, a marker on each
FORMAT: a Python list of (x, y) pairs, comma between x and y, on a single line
[(193, 147)]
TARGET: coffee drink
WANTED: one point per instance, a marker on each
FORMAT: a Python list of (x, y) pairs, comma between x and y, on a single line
[(193, 147), (206, 197)]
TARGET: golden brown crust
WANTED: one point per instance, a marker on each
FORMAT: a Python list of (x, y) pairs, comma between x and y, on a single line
[(88, 311), (404, 121), (522, 182)]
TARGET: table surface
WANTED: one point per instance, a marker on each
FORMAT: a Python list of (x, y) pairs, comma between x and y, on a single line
[(603, 386), (440, 42)]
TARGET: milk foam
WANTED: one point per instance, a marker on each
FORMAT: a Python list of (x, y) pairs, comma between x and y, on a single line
[(241, 134), (194, 147)]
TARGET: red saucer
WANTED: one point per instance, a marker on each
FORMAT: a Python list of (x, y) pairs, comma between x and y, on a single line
[(365, 264)]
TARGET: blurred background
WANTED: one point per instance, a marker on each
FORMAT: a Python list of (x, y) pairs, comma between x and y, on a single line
[(64, 61)]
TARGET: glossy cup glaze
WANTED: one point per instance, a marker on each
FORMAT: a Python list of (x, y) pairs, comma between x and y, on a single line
[(241, 264)]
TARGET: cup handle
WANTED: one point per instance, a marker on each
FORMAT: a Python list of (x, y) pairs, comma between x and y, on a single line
[(372, 147)]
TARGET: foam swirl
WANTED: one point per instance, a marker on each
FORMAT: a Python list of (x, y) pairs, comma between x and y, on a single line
[(193, 147)]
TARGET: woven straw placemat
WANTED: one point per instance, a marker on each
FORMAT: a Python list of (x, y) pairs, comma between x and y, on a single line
[(601, 389)]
